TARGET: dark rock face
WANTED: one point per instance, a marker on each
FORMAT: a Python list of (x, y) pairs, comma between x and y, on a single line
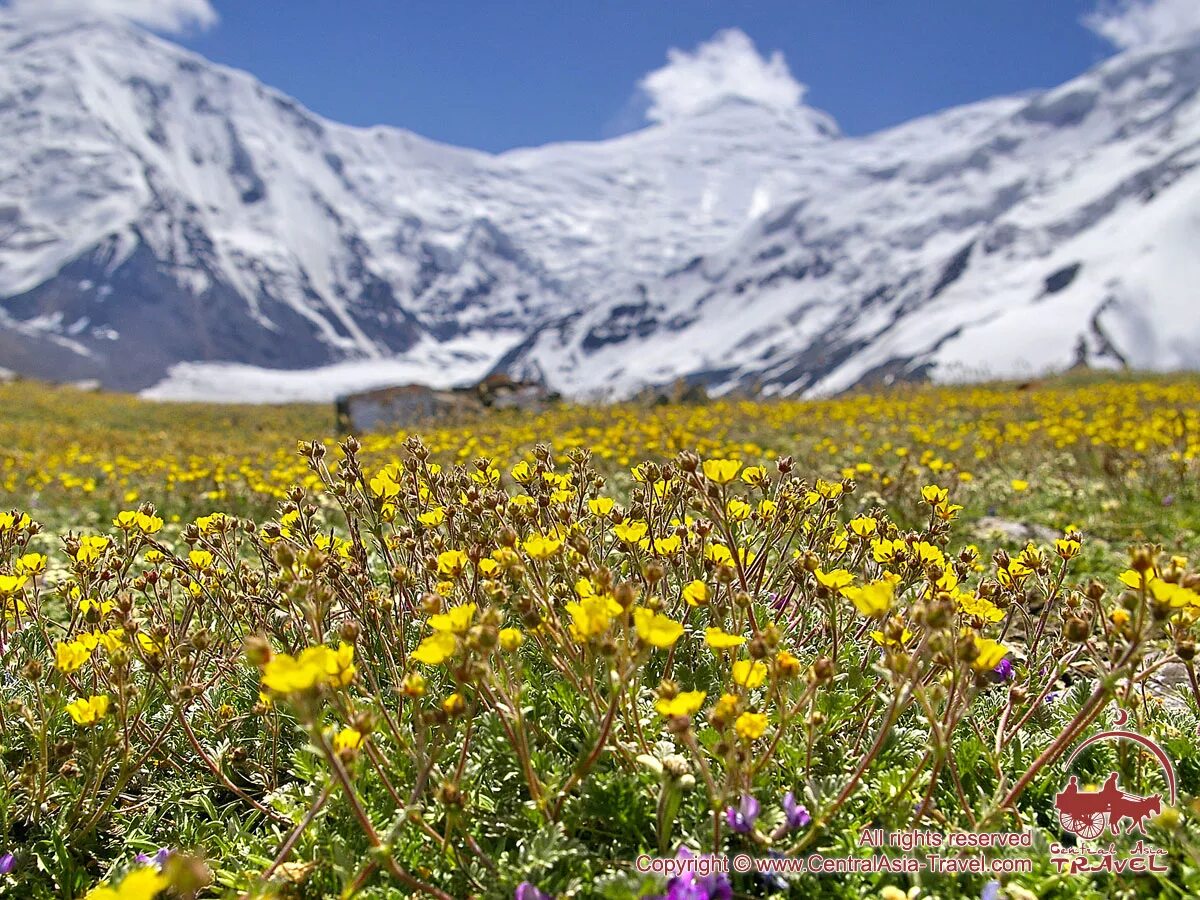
[(1061, 280), (624, 321), (954, 270), (136, 321), (242, 171)]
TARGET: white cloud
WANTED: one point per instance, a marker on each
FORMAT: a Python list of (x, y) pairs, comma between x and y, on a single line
[(1144, 23), (171, 16), (729, 65)]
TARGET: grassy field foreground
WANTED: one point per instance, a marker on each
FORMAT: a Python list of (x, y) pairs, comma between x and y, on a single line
[(509, 657)]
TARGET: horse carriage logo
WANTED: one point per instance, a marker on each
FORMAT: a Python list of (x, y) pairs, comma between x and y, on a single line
[(1087, 813)]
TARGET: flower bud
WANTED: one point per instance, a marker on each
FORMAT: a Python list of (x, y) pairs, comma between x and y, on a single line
[(258, 650), (1142, 559), (1076, 629), (823, 669), (625, 594)]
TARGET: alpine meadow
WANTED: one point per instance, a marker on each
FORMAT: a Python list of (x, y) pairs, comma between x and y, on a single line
[(511, 655)]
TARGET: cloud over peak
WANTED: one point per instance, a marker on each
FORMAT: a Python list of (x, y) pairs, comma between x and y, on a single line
[(1144, 23), (170, 16), (728, 65)]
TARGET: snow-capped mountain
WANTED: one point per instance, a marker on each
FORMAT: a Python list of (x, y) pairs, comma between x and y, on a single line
[(1007, 237), (172, 225)]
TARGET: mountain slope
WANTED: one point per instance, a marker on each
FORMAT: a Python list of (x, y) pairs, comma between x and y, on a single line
[(171, 224), (1004, 238), (156, 208)]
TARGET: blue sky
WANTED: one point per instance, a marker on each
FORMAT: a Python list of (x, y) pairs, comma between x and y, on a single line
[(496, 74)]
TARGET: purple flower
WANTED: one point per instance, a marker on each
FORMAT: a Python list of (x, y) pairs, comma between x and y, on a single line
[(684, 887), (742, 819), (159, 858), (526, 891), (689, 886), (991, 891), (1003, 670), (773, 882), (795, 814), (7, 861)]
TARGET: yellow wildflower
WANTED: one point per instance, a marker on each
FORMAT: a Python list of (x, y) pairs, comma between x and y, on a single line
[(451, 563), (656, 629), (696, 593), (457, 619), (750, 726), (1134, 579), (511, 639), (666, 546), (210, 523), (738, 510), (630, 532), (600, 506), (148, 644), (884, 641), (933, 495), (873, 600), (10, 584), (201, 559), (126, 520), (69, 657), (90, 711), (1067, 548), (749, 673), (836, 580), (383, 485), (90, 549), (754, 475), (346, 740), (974, 605), (887, 551), (720, 640), (432, 518), (413, 685), (990, 653), (592, 616), (30, 564), (540, 546), (721, 471), (111, 640), (436, 649), (863, 526), (145, 883), (685, 703)]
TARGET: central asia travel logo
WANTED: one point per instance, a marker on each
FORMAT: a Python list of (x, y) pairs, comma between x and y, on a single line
[(1088, 814)]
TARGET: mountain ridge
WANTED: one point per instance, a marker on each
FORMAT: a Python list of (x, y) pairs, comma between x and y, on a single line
[(174, 226)]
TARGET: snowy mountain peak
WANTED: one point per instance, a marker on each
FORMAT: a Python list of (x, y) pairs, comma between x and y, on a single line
[(727, 82), (727, 113), (169, 223)]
